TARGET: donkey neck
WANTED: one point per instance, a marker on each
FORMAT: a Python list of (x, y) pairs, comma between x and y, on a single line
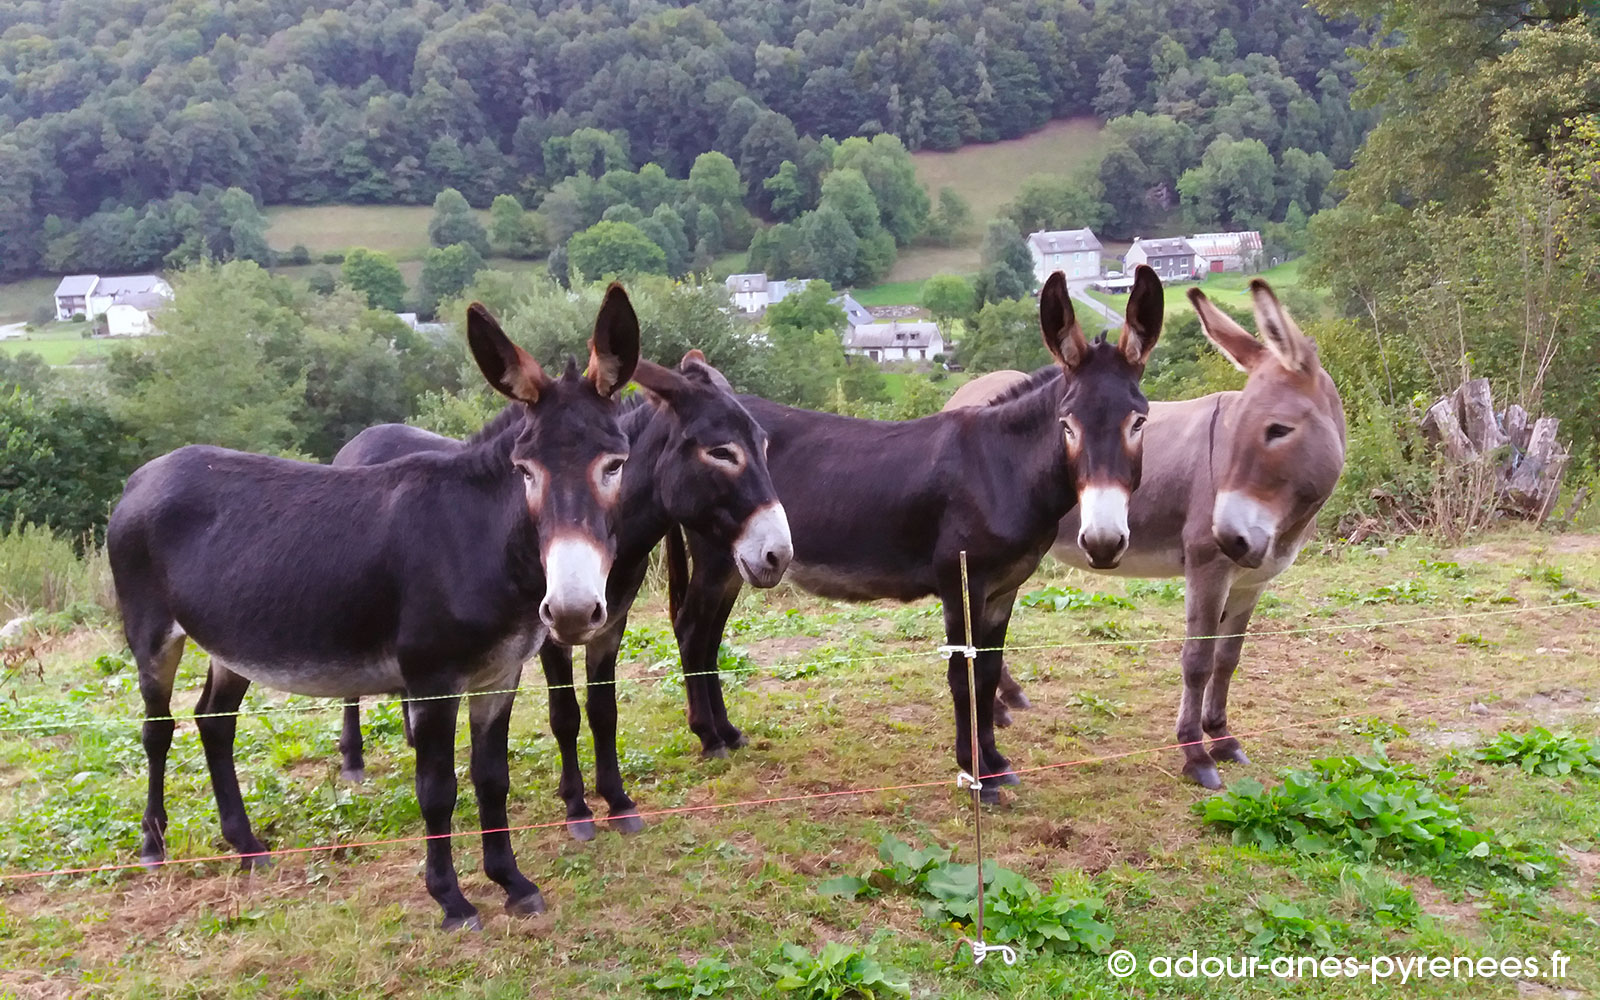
[(483, 466), (1023, 433), (647, 520)]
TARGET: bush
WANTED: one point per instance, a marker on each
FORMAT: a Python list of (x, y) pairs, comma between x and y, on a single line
[(298, 254), (42, 572), (43, 315), (333, 257)]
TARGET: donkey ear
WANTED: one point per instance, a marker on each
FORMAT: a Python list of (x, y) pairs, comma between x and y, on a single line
[(614, 348), (1062, 334), (659, 381), (1233, 340), (1293, 349), (1141, 327), (695, 365), (507, 367)]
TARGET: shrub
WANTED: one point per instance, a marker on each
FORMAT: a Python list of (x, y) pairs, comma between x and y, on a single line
[(1539, 751), (333, 257), (838, 971), (41, 572), (298, 254), (1370, 809)]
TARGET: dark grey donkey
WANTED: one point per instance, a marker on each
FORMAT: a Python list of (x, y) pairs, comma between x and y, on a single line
[(698, 460), (435, 576)]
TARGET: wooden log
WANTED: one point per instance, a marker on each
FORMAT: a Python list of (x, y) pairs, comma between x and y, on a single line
[(1537, 480), (1443, 429), (1517, 426), (1477, 416)]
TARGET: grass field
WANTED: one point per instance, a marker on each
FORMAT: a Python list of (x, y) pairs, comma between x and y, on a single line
[(398, 230), (61, 344), (20, 299), (836, 697)]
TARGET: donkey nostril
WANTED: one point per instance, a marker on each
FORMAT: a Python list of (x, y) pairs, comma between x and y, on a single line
[(772, 559)]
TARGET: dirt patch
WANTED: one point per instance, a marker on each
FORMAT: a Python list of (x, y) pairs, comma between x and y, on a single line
[(1507, 549), (1559, 705), (1091, 847), (774, 651), (1435, 903)]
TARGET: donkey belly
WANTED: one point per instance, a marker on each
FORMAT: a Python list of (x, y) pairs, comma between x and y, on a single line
[(344, 678), (849, 583)]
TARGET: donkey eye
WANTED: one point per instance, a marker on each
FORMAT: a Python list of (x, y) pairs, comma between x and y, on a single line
[(1276, 431), (1138, 424), (722, 454), (613, 467), (1066, 426)]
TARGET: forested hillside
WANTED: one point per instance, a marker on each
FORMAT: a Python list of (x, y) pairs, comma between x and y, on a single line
[(122, 123)]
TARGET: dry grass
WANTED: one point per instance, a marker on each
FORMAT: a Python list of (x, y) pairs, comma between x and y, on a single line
[(399, 230)]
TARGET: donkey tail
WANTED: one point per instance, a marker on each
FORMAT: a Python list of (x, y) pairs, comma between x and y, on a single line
[(677, 572)]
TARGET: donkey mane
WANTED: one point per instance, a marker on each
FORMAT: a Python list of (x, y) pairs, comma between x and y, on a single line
[(1027, 385)]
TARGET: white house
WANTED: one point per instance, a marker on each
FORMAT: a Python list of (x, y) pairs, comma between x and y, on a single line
[(90, 295), (753, 293), (1226, 251), (132, 315), (898, 340), (1073, 251), (1173, 259)]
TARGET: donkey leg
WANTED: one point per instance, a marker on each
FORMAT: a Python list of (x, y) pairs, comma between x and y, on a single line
[(990, 665), (707, 602), (1002, 703), (489, 716), (1225, 747), (600, 658), (1011, 692), (217, 721), (1204, 596), (986, 675), (350, 745), (565, 723), (158, 653), (434, 723)]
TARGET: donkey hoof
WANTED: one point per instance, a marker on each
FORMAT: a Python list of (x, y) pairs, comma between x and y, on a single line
[(627, 823), (152, 862), (1229, 754), (582, 830), (989, 794), (735, 739), (1203, 774), (718, 752), (255, 862), (470, 922), (1002, 716), (354, 775), (1016, 699), (530, 905)]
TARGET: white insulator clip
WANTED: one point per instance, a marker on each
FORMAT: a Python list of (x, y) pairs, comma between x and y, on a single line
[(965, 780), (981, 951), (970, 652)]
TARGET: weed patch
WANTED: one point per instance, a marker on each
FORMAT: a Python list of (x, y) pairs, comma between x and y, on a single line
[(838, 971), (1539, 751)]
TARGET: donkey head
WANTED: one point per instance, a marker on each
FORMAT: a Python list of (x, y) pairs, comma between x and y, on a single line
[(1102, 411), (1286, 444), (569, 451), (712, 474)]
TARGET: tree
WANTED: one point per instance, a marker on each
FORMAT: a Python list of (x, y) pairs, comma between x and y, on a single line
[(891, 176), (454, 222), (376, 276), (807, 357), (1233, 185), (445, 272), (714, 181), (785, 192), (1051, 201), (830, 247), (62, 464), (609, 249), (1005, 265), (1005, 336), (512, 231), (948, 297), (952, 220), (1113, 97)]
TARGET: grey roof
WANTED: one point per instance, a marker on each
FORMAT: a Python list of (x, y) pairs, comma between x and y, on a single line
[(777, 291), (1175, 246), (915, 333), (746, 282), (76, 285), (146, 301), (129, 283), (1225, 244), (1064, 240), (855, 314)]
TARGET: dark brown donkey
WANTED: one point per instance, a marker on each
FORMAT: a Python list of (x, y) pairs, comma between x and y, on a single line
[(1233, 482), (696, 458), (435, 576), (881, 510)]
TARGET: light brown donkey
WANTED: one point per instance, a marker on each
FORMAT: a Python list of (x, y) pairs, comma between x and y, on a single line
[(1232, 482)]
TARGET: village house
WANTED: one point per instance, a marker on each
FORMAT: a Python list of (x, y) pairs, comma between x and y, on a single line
[(1226, 251), (1173, 259), (753, 293), (90, 295), (1075, 252), (898, 340)]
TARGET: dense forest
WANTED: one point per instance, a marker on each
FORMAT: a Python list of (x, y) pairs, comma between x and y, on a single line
[(122, 124)]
